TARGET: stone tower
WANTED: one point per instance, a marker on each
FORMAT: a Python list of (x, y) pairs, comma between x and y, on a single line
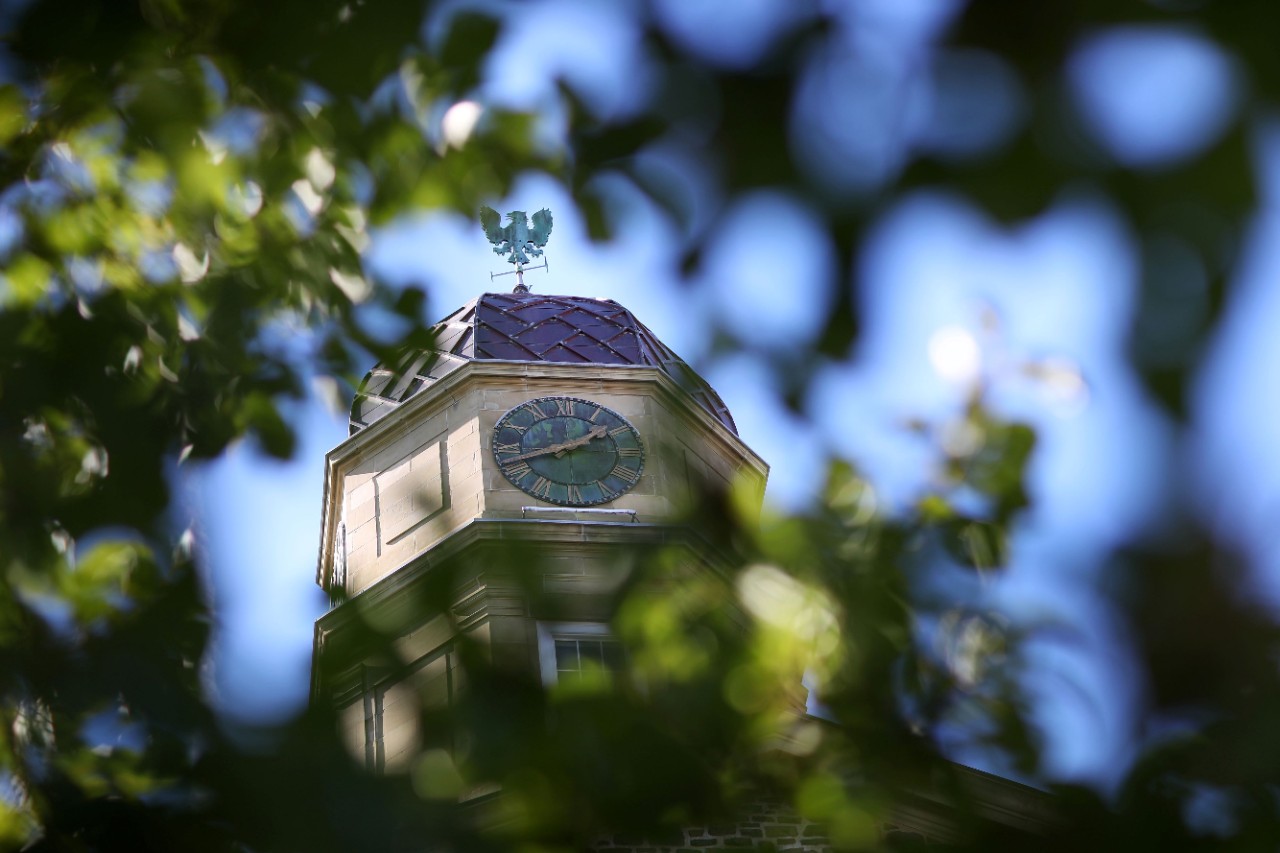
[(558, 426), (496, 492)]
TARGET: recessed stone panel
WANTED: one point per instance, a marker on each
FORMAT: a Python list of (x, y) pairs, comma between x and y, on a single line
[(410, 492)]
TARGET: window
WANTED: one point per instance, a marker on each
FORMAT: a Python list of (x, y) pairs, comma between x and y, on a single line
[(566, 650)]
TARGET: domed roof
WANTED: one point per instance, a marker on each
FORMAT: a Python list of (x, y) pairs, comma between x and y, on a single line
[(528, 327)]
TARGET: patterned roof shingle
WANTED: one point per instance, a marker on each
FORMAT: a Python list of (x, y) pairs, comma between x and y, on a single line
[(528, 327)]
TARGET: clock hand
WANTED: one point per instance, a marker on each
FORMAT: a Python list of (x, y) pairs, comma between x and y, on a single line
[(559, 449), (542, 451), (596, 432)]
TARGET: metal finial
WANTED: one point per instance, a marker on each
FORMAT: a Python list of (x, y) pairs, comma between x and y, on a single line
[(519, 240)]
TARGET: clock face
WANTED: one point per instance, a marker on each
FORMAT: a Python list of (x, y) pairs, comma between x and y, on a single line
[(568, 451)]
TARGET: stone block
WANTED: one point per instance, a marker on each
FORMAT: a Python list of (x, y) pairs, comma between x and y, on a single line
[(405, 445), (505, 400), (359, 537), (648, 508), (356, 478), (353, 728), (424, 640), (465, 483), (359, 559), (396, 554), (358, 495), (358, 513), (630, 406)]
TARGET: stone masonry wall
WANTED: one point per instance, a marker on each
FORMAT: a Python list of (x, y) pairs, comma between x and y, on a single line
[(766, 826)]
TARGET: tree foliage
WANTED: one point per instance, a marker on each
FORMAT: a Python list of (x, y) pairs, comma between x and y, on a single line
[(185, 185)]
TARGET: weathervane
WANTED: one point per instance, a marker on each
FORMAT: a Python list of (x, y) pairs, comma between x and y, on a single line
[(519, 240)]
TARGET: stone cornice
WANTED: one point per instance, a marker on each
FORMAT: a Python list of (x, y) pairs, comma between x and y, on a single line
[(393, 598)]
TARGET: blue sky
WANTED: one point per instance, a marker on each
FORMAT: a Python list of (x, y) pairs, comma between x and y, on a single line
[(948, 298)]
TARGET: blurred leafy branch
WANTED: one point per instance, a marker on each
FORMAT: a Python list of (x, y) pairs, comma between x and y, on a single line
[(183, 185)]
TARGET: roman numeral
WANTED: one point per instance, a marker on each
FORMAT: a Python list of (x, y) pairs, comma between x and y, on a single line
[(629, 451), (541, 488), (625, 474), (516, 470), (575, 495), (595, 414), (519, 430), (563, 406), (617, 431), (535, 410), (506, 448)]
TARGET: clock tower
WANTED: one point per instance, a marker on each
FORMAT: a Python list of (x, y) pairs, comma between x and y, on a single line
[(498, 488), (498, 491)]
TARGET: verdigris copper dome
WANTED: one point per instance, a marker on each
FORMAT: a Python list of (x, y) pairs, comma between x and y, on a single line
[(529, 327)]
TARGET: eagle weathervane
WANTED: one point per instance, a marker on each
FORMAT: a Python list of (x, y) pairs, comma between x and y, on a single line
[(519, 240)]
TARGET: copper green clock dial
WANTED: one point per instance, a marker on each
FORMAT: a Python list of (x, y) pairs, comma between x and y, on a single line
[(568, 451)]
